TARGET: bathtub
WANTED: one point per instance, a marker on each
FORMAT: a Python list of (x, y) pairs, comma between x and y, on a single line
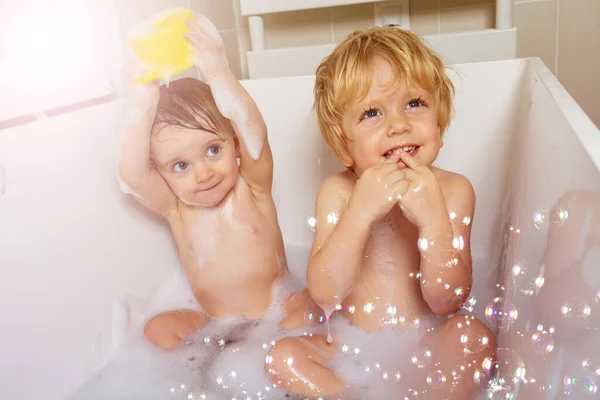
[(84, 265)]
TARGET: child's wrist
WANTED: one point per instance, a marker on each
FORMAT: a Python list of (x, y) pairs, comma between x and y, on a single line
[(358, 217)]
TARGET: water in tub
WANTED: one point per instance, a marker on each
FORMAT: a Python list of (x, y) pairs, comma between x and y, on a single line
[(206, 366)]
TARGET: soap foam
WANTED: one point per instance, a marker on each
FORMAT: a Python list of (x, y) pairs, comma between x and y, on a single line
[(141, 370), (379, 365)]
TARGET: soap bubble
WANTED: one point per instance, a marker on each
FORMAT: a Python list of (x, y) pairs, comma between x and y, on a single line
[(500, 389), (575, 309), (580, 385), (474, 343), (469, 304), (436, 379), (542, 342), (421, 358), (517, 270), (560, 217), (312, 223), (539, 216), (411, 394), (505, 364), (501, 315)]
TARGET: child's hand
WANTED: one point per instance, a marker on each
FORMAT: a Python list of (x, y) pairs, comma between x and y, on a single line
[(379, 188), (207, 46), (301, 310), (423, 203)]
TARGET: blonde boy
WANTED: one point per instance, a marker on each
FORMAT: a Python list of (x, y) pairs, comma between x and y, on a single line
[(398, 255)]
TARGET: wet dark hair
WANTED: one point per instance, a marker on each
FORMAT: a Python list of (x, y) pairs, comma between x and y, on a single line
[(188, 103)]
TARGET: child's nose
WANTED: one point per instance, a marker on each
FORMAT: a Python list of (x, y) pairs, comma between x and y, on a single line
[(203, 173), (399, 124)]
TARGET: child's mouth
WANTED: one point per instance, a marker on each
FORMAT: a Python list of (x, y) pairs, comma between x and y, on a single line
[(407, 149)]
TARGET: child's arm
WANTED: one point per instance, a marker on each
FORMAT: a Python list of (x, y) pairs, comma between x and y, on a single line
[(337, 252), (136, 174), (444, 242), (256, 160)]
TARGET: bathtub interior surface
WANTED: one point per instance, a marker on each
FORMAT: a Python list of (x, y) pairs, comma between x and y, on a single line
[(78, 279)]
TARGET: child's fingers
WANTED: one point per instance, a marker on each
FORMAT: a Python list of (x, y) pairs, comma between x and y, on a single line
[(408, 160), (395, 157), (192, 24), (410, 174)]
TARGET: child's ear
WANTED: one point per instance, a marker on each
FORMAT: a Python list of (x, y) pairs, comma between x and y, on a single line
[(346, 160)]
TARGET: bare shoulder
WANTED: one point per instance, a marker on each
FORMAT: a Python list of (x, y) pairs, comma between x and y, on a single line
[(335, 191), (455, 187)]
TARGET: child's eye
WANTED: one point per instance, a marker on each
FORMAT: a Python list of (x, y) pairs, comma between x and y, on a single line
[(213, 151), (370, 113), (415, 103), (180, 166)]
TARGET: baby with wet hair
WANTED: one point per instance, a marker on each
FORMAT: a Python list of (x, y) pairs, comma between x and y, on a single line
[(198, 155), (394, 264)]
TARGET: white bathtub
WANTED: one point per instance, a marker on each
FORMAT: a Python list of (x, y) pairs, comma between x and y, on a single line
[(83, 265)]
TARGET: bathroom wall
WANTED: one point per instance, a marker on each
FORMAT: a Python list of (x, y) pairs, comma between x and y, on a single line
[(564, 33)]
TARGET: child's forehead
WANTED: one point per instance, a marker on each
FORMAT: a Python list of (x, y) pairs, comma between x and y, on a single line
[(380, 78), (171, 140)]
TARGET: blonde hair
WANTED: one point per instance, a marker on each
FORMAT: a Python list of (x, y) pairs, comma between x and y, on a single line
[(345, 77)]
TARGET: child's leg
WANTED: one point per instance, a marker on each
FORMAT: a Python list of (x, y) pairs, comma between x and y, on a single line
[(168, 329), (459, 347), (296, 364)]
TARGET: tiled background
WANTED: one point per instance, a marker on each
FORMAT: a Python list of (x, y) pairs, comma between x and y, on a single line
[(564, 33)]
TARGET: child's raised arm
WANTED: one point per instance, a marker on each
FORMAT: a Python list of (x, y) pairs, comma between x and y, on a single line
[(137, 176), (234, 102)]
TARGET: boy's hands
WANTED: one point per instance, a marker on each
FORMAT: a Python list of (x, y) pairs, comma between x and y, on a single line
[(379, 188), (422, 202), (207, 46)]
